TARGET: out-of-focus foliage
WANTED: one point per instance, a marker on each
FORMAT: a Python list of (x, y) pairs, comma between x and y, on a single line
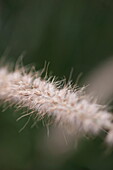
[(69, 34)]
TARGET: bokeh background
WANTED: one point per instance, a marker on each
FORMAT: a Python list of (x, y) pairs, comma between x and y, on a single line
[(74, 34)]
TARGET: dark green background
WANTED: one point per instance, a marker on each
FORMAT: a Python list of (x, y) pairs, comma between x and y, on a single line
[(69, 34)]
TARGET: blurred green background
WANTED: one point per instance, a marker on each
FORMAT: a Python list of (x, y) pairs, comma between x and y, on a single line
[(74, 34)]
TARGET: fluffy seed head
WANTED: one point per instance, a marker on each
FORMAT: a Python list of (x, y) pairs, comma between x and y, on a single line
[(69, 107)]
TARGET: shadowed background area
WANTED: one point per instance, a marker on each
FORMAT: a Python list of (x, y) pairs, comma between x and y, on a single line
[(68, 34)]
